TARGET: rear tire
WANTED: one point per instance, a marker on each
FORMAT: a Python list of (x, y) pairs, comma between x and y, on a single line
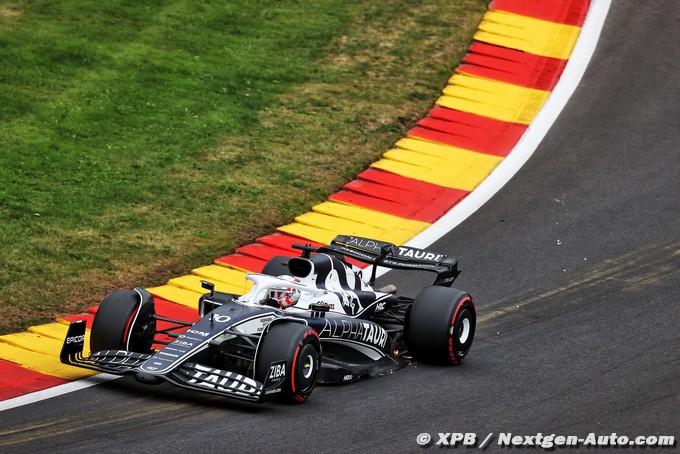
[(299, 346), (440, 325), (119, 324)]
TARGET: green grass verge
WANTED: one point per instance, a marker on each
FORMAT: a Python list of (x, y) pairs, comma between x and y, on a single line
[(141, 139)]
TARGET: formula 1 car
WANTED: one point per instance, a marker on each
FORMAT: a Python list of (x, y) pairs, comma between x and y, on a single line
[(306, 319)]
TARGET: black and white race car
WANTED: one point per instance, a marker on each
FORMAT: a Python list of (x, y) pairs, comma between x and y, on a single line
[(305, 320)]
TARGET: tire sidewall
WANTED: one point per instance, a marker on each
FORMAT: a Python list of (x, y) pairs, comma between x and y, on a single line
[(293, 343), (303, 381), (432, 325), (464, 309), (112, 327)]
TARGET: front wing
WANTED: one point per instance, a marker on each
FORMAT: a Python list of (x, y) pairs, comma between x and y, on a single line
[(187, 375)]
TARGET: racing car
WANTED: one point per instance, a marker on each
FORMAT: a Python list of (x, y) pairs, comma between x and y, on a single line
[(305, 320)]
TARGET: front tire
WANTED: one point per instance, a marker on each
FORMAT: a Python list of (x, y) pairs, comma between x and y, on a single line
[(124, 321), (299, 346), (440, 325)]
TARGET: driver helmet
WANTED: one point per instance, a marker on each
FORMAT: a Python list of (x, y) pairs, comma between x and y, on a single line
[(285, 297)]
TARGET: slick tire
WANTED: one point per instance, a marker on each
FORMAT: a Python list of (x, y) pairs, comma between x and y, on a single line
[(122, 322), (277, 266), (299, 346), (440, 326)]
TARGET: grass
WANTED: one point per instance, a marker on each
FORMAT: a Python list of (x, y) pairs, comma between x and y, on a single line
[(139, 140)]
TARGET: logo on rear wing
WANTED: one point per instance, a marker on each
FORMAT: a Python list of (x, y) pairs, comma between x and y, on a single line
[(419, 254), (381, 253), (384, 249)]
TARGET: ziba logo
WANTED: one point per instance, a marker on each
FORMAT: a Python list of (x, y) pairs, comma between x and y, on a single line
[(277, 371)]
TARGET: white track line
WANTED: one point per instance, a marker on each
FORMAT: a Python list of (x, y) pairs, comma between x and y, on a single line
[(520, 154), (56, 391)]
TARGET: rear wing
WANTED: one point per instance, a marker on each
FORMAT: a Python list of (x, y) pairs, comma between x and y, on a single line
[(380, 253)]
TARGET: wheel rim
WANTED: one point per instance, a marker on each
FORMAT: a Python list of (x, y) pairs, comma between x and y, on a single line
[(461, 332), (464, 331), (308, 366), (307, 369)]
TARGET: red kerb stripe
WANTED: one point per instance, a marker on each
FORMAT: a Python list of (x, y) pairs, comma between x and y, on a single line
[(512, 66), (570, 12), (16, 380)]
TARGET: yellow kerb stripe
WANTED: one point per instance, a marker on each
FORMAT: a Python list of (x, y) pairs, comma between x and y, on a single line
[(54, 330), (493, 99), (370, 217), (528, 34), (192, 283), (432, 170), (323, 229), (221, 274), (454, 154), (41, 353), (177, 295)]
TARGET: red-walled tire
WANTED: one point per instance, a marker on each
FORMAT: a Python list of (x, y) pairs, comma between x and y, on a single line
[(299, 346), (441, 325)]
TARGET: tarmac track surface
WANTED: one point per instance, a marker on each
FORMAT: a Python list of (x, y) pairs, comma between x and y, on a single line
[(575, 267)]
